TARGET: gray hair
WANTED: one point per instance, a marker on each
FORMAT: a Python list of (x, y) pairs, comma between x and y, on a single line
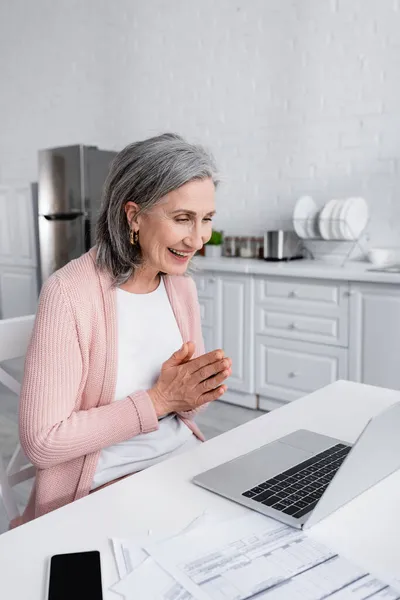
[(143, 173)]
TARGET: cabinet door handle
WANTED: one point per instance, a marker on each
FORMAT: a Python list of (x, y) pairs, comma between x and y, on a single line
[(293, 374), (211, 280)]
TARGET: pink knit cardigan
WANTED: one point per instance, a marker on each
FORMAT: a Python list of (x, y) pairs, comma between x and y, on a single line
[(67, 413)]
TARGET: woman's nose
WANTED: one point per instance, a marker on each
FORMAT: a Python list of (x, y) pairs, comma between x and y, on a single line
[(194, 240)]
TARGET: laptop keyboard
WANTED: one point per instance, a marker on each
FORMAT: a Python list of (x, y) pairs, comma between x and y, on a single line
[(296, 491)]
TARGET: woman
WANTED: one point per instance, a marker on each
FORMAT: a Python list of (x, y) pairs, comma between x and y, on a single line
[(116, 369)]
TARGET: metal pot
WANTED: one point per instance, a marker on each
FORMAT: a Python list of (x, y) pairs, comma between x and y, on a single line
[(282, 245)]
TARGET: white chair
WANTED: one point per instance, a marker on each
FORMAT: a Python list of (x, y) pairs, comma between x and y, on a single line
[(14, 339)]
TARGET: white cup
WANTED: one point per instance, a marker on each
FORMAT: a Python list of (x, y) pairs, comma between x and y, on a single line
[(380, 257)]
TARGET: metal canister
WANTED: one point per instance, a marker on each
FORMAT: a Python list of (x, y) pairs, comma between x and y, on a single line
[(230, 246), (247, 247)]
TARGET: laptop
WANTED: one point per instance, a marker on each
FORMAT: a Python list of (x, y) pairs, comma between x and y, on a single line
[(303, 477)]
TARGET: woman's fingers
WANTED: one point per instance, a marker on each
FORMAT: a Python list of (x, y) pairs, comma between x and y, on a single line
[(204, 360), (211, 370), (186, 383), (213, 395), (213, 382), (181, 356)]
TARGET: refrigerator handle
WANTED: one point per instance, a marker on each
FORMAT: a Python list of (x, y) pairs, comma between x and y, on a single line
[(87, 235), (63, 216)]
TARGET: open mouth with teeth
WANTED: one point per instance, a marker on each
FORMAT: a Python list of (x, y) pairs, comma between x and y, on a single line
[(180, 255)]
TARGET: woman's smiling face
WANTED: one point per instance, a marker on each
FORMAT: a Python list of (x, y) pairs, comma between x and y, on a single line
[(176, 227)]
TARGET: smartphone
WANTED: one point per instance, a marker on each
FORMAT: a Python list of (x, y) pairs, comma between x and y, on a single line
[(75, 576)]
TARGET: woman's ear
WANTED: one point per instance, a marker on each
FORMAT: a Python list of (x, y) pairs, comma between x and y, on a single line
[(131, 211)]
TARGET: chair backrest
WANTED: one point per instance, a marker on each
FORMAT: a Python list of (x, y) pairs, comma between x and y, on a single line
[(14, 336), (14, 339)]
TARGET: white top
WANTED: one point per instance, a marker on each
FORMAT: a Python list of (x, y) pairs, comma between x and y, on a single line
[(162, 499), (148, 335)]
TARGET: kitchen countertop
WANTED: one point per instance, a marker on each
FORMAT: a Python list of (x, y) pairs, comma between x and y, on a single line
[(350, 271)]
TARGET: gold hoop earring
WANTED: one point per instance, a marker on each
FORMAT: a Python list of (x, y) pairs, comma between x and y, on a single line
[(133, 237)]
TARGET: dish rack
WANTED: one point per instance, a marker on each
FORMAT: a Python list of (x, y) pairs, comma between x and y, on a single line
[(355, 241)]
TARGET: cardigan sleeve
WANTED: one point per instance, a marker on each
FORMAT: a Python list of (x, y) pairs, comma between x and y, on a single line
[(52, 429)]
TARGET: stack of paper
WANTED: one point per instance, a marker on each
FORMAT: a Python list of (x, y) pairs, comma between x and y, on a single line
[(140, 575), (252, 556)]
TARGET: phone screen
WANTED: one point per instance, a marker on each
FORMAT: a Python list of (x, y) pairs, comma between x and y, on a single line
[(75, 576)]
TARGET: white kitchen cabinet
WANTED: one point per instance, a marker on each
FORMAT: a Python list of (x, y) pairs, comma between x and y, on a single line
[(374, 344), (208, 336), (18, 291), (289, 334), (207, 310), (302, 337), (320, 295), (205, 283), (295, 325), (18, 273), (226, 308), (207, 290), (234, 328), (17, 244), (287, 370), (302, 309)]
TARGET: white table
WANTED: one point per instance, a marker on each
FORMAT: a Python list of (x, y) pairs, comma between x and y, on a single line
[(162, 498)]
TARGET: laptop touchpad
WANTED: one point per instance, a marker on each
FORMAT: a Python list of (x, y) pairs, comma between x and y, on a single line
[(257, 466)]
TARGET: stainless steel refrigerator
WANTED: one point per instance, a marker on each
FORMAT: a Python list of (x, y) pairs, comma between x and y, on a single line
[(70, 186)]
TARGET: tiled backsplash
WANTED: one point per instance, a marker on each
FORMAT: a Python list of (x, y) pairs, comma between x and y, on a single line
[(292, 96)]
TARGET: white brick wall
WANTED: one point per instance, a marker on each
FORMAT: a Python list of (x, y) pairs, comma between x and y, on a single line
[(292, 96)]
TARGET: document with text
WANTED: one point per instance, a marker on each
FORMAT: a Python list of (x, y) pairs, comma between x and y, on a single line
[(255, 556)]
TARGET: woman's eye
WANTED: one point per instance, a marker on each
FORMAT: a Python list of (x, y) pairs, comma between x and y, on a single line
[(186, 220)]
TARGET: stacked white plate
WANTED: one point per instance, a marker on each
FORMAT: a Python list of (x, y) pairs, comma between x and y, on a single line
[(305, 218), (338, 220), (343, 219)]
